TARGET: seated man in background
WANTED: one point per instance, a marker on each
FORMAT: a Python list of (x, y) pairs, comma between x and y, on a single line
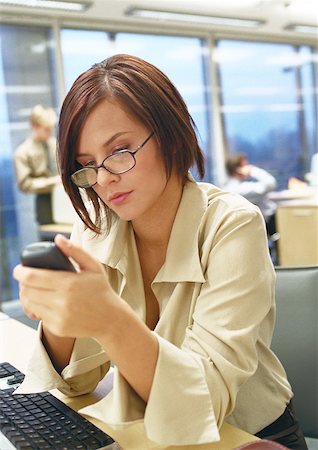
[(254, 184), (35, 162)]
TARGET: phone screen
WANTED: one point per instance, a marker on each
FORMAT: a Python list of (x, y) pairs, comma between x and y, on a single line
[(45, 255)]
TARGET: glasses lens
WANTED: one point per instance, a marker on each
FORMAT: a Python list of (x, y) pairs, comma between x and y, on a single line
[(119, 162), (85, 177)]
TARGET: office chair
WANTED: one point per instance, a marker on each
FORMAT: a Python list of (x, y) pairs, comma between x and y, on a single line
[(295, 339)]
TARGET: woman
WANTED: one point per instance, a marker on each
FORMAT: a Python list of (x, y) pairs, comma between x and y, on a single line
[(175, 283)]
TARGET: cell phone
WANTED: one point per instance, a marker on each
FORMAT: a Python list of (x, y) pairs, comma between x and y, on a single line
[(45, 255)]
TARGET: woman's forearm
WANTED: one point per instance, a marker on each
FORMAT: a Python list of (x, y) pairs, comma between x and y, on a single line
[(58, 348), (133, 348)]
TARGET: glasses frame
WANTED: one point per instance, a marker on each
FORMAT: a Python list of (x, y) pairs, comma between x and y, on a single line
[(102, 165)]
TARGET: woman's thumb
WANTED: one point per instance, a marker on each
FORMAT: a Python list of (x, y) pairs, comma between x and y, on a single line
[(80, 256)]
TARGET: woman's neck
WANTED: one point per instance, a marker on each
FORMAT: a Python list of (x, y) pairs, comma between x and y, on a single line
[(154, 228)]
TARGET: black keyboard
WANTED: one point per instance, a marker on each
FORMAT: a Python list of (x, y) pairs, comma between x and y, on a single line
[(41, 421)]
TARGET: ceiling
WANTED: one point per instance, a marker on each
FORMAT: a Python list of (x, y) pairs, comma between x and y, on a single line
[(276, 15)]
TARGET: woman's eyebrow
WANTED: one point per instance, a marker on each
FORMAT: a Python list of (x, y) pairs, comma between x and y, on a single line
[(107, 143), (114, 137)]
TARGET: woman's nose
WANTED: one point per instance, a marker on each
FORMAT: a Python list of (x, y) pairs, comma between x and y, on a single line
[(104, 177)]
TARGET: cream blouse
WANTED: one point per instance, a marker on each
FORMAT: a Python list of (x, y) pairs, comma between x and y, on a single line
[(216, 298)]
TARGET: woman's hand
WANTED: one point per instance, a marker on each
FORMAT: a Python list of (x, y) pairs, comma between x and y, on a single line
[(245, 171), (83, 304), (69, 304)]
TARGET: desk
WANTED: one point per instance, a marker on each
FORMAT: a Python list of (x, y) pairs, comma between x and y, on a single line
[(48, 231), (16, 342), (297, 226), (291, 197)]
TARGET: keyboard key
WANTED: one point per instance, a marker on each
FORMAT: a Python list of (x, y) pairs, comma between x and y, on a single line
[(42, 422)]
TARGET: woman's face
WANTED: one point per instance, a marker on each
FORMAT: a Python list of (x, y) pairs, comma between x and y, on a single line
[(42, 133), (107, 129)]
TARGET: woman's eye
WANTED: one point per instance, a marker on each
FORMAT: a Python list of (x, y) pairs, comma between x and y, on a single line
[(120, 149), (88, 164)]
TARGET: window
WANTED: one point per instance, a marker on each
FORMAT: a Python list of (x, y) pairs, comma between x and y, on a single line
[(267, 105), (174, 55), (267, 93), (80, 50), (27, 78)]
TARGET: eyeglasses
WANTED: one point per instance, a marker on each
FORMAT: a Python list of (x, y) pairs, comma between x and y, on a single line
[(117, 163)]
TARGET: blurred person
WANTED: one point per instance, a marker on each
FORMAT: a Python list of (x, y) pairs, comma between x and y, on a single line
[(254, 184), (35, 162)]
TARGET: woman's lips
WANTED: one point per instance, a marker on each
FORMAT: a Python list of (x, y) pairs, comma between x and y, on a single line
[(118, 199)]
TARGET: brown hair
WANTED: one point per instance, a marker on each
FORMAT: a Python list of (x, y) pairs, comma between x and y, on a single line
[(145, 92), (233, 162)]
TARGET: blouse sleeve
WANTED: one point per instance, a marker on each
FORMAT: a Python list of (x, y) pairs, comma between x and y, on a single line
[(261, 184), (88, 365)]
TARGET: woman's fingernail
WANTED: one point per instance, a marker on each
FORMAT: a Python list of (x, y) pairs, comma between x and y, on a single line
[(63, 238)]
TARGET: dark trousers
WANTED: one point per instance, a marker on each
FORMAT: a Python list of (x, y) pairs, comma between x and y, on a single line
[(271, 225), (285, 430), (43, 204)]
